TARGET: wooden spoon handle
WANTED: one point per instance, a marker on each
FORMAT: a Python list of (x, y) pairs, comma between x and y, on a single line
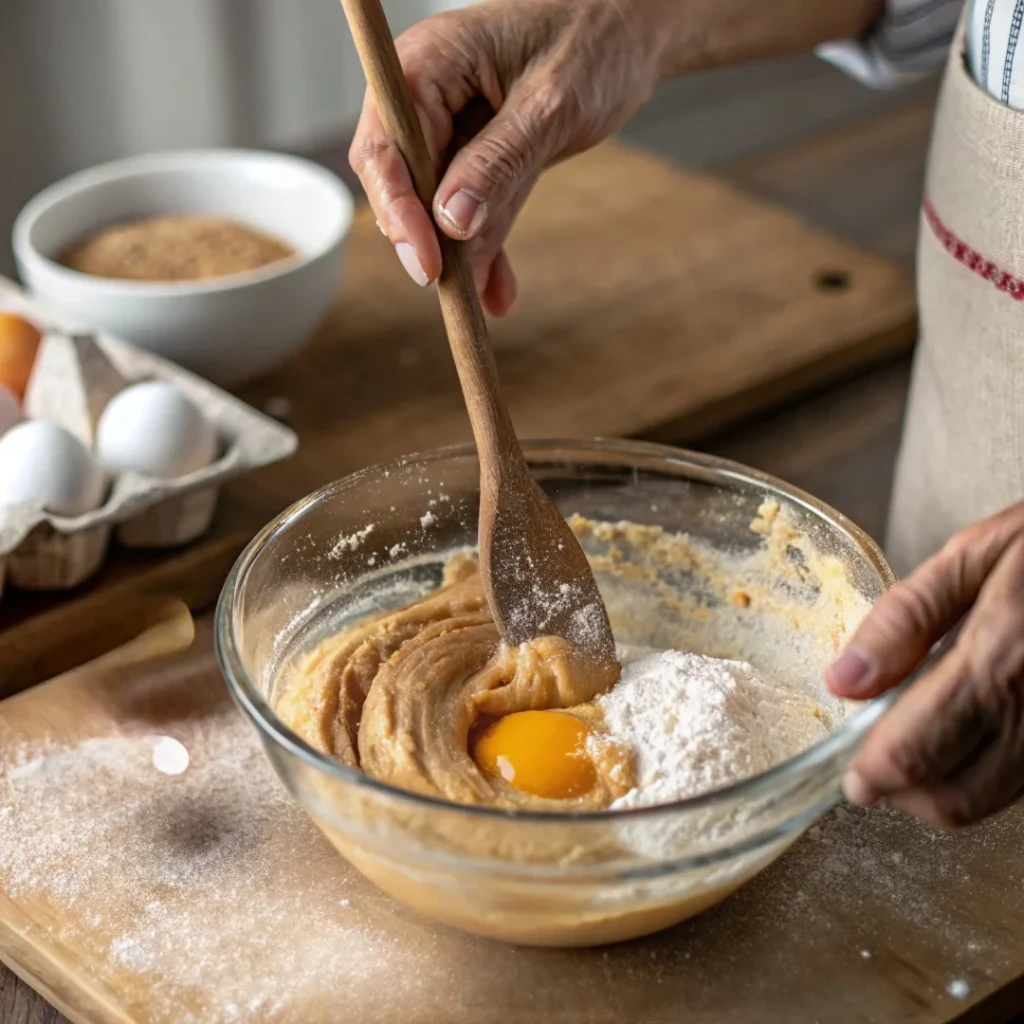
[(460, 305)]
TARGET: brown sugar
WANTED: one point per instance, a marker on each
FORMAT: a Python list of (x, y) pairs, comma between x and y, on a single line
[(175, 249)]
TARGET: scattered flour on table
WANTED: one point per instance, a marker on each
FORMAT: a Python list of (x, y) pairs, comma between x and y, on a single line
[(958, 988), (697, 723), (170, 756), (179, 867)]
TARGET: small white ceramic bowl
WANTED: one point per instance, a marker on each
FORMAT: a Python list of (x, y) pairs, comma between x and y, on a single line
[(228, 329)]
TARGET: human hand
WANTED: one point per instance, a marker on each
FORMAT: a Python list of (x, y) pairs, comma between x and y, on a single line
[(503, 89), (951, 750)]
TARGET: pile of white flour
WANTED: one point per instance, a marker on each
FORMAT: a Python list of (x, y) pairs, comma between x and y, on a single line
[(696, 724)]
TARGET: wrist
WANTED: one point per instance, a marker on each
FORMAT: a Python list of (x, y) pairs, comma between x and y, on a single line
[(699, 35), (663, 28)]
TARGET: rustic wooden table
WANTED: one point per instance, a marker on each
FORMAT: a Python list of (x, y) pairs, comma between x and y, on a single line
[(846, 159)]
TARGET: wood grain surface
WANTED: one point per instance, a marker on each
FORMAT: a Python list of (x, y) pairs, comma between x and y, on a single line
[(652, 298)]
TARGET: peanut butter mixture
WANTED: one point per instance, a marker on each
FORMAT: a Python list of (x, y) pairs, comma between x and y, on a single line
[(402, 695)]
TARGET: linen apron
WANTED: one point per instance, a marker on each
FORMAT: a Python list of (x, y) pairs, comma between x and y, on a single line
[(962, 455)]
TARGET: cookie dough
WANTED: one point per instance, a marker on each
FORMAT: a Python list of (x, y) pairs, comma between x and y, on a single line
[(400, 696), (542, 880)]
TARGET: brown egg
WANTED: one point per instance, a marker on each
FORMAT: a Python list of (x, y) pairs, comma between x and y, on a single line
[(19, 342)]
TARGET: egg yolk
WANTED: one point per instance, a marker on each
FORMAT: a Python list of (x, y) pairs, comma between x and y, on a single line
[(538, 752)]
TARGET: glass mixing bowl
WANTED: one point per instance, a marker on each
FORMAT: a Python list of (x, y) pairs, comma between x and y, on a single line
[(379, 538)]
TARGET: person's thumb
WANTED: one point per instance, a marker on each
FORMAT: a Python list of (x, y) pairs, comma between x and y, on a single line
[(487, 173), (905, 622)]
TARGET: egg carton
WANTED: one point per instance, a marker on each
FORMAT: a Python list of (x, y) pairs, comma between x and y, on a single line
[(74, 377)]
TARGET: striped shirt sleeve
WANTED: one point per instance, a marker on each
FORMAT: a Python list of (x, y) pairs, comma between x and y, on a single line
[(995, 51), (908, 42)]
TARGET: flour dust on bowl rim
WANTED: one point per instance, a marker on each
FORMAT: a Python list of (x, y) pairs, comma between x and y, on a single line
[(379, 538)]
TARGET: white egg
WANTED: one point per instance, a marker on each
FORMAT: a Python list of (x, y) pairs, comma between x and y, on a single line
[(153, 429), (41, 463), (10, 409)]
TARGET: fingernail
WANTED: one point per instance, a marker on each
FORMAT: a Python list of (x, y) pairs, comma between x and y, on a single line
[(408, 258), (464, 211), (850, 673), (857, 791)]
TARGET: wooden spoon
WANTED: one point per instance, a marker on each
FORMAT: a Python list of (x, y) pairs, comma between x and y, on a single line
[(536, 576)]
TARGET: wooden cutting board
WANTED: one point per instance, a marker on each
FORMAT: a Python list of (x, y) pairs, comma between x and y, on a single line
[(128, 896), (654, 301)]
